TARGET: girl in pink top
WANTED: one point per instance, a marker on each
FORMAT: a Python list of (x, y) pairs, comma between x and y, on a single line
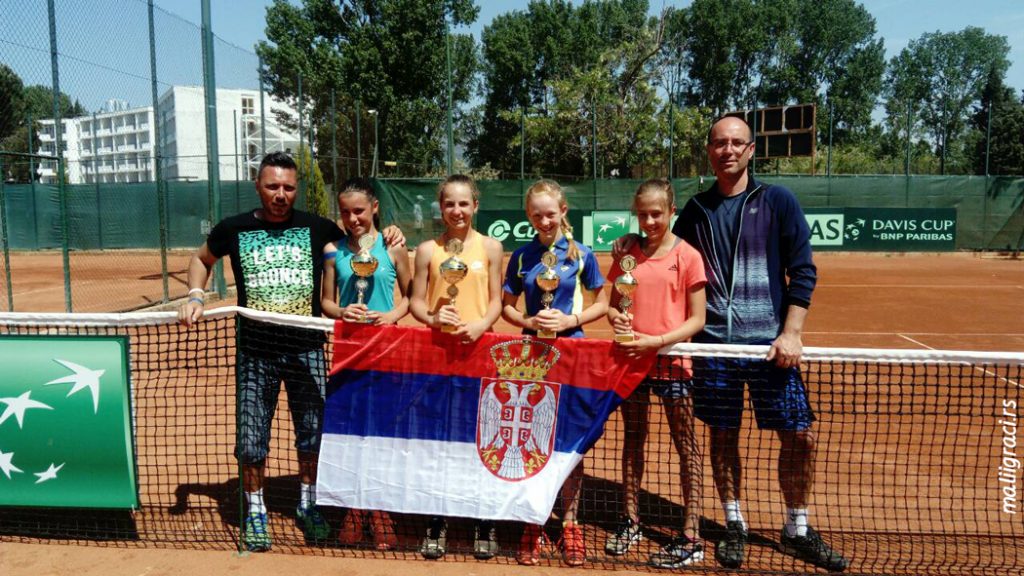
[(668, 307)]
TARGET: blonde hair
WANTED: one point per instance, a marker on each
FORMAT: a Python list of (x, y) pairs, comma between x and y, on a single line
[(552, 189), (657, 186), (458, 179)]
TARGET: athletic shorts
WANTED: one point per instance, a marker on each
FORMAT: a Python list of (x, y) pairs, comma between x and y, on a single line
[(667, 389), (259, 385), (778, 395)]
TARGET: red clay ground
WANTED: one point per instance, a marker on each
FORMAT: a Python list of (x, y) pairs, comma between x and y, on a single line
[(895, 456)]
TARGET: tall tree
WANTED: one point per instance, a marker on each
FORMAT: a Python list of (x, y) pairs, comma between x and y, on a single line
[(12, 103), (525, 56), (389, 55), (1006, 144), (939, 76)]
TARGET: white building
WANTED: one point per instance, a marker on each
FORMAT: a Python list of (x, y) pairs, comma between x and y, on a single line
[(117, 144), (181, 113)]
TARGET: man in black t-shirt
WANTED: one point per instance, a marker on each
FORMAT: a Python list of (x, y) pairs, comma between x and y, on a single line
[(277, 258)]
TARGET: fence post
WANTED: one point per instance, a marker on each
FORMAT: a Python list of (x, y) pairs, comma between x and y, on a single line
[(59, 153), (157, 171), (334, 143), (593, 146), (237, 136), (303, 190), (448, 78), (263, 116), (522, 150), (671, 138), (212, 147), (359, 140), (96, 183), (32, 181), (4, 238)]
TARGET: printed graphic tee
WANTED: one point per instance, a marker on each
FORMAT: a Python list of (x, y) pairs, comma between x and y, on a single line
[(277, 265)]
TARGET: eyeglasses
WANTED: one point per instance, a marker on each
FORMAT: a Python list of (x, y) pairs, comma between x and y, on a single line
[(724, 143)]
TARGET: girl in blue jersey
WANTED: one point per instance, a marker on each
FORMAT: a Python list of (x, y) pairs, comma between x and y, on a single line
[(358, 208), (577, 271)]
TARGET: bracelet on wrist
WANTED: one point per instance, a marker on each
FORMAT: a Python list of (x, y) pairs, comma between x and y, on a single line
[(199, 301), (577, 316), (196, 290)]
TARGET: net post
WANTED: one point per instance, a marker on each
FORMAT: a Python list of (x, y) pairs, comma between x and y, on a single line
[(157, 171), (238, 437), (4, 238)]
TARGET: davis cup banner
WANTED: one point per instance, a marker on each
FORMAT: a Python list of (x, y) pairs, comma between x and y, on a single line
[(65, 422), (417, 422)]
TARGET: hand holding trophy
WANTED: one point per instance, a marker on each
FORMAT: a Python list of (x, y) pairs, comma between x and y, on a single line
[(626, 285), (363, 265), (548, 282), (452, 270)]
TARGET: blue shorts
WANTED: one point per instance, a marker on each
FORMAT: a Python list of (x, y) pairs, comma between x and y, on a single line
[(667, 389), (777, 394), (259, 384)]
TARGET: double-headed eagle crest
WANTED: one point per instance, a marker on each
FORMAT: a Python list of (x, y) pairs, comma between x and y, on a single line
[(518, 410)]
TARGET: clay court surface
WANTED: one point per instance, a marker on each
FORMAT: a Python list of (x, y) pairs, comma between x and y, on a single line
[(880, 455)]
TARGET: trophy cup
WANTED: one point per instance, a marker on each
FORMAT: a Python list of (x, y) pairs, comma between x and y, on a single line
[(363, 265), (452, 270), (626, 285), (548, 282)]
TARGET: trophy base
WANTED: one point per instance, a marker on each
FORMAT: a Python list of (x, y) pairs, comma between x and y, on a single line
[(362, 320), (448, 328), (625, 337), (546, 335)]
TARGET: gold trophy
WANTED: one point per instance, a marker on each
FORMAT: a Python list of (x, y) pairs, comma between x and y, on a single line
[(626, 285), (363, 265), (452, 270), (548, 282)]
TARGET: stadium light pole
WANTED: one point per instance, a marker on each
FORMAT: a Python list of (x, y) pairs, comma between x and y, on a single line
[(376, 140)]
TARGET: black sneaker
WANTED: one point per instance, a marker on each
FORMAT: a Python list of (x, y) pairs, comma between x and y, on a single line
[(485, 540), (729, 551), (813, 550), (436, 541), (626, 535), (681, 551)]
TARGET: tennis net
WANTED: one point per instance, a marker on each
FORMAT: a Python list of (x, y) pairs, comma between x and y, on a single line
[(917, 468)]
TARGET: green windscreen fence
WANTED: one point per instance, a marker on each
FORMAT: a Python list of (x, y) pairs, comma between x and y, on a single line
[(987, 212), (867, 212)]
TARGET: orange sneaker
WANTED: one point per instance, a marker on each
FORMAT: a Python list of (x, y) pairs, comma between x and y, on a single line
[(382, 529), (574, 551), (531, 545), (350, 533)]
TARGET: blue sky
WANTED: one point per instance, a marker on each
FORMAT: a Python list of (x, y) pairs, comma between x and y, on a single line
[(898, 21), (107, 43)]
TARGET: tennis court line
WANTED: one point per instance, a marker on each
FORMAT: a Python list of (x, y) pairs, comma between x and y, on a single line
[(921, 286), (983, 334), (982, 370)]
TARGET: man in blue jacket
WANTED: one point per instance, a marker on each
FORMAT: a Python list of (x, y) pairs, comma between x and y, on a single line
[(756, 247)]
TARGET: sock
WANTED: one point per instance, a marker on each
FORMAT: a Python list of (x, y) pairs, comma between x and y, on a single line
[(255, 499), (307, 495), (796, 522), (732, 512)]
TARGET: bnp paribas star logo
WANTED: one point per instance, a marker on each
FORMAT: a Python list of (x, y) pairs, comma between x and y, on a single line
[(603, 227), (65, 433)]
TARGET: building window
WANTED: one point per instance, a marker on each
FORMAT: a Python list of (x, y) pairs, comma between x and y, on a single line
[(248, 106)]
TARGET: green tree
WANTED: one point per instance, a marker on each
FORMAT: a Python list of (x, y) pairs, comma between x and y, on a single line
[(39, 103), (940, 76), (1006, 151), (527, 58), (12, 103), (317, 199), (389, 55)]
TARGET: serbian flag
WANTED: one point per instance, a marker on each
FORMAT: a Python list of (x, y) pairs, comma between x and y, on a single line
[(418, 422)]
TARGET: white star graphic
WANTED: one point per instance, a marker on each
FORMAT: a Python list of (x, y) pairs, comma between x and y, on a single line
[(621, 220), (600, 240), (82, 378), (5, 464), (49, 474), (16, 407), (605, 227)]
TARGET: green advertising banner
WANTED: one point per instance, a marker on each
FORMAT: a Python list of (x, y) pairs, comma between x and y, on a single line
[(65, 422), (512, 228), (883, 229)]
